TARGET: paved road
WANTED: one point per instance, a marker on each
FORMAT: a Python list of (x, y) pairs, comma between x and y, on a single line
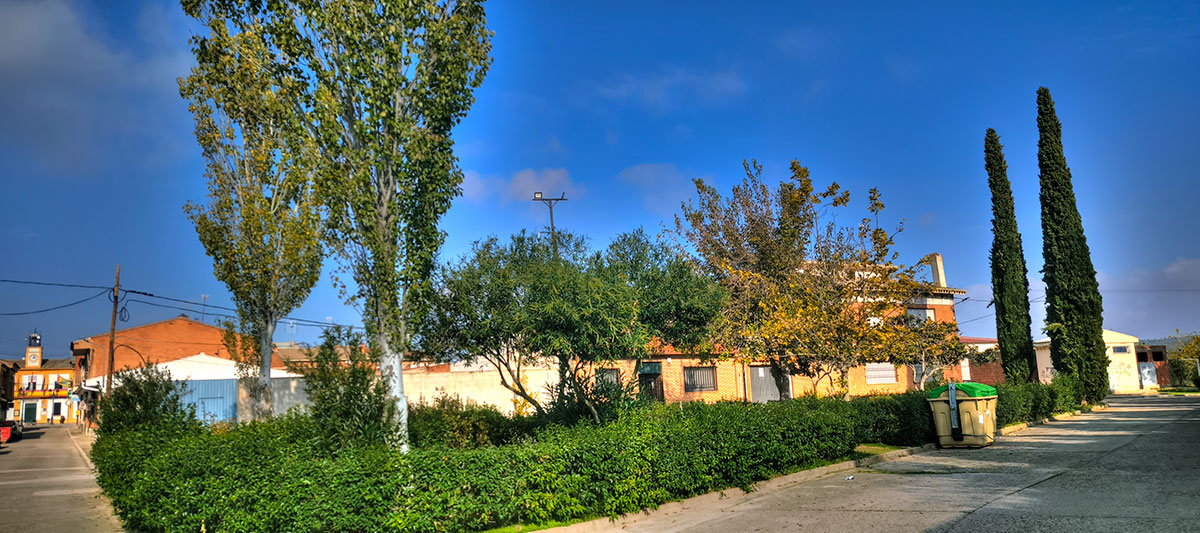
[(1133, 467), (46, 485)]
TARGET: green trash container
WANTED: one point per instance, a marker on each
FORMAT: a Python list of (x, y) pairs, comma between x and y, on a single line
[(964, 414)]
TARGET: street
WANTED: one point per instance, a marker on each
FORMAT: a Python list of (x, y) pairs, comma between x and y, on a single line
[(1132, 467), (46, 485)]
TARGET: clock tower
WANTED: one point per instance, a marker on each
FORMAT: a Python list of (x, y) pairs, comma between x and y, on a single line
[(33, 352)]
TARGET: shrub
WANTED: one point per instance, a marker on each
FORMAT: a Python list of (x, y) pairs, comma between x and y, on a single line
[(1024, 402), (1014, 404), (456, 423), (896, 419), (145, 396), (349, 401), (272, 476)]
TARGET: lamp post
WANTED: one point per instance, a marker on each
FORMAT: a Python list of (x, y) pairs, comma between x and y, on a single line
[(537, 197)]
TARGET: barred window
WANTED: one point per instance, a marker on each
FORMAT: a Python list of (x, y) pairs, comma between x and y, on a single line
[(880, 373), (699, 378), (609, 376)]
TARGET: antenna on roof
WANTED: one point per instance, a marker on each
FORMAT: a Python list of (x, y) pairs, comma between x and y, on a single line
[(204, 306), (292, 331)]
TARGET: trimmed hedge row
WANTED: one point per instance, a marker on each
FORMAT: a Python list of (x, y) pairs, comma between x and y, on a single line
[(269, 476), (1034, 401), (272, 476)]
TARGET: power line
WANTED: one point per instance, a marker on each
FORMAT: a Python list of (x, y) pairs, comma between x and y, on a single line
[(51, 284), (97, 295)]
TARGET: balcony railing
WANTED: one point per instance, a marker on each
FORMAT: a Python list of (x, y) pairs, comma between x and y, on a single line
[(52, 393)]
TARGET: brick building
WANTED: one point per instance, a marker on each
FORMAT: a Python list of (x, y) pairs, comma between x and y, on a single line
[(672, 376)]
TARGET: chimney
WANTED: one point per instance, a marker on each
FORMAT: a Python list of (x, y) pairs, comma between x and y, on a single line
[(939, 271)]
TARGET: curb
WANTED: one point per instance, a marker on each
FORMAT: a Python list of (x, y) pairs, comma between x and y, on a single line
[(1008, 430), (734, 496), (86, 459)]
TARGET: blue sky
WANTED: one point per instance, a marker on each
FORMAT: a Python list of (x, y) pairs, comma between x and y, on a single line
[(620, 107)]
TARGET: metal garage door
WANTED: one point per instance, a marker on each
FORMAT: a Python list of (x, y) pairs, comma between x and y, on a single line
[(762, 385), (213, 398)]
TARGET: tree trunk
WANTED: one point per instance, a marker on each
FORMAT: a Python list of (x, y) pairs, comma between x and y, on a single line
[(390, 365), (579, 395), (266, 347), (781, 380)]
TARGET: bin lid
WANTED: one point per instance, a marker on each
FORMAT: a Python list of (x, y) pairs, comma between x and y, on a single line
[(970, 390)]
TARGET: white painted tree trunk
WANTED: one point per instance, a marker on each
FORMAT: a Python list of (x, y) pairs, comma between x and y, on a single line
[(265, 348), (390, 364)]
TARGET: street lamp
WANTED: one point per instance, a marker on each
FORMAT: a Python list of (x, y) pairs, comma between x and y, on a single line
[(537, 197)]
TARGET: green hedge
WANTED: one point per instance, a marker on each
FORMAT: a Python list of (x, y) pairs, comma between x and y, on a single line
[(271, 477), (896, 419), (1025, 402)]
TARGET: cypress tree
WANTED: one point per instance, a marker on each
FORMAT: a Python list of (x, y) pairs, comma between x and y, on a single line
[(1073, 306), (1010, 282)]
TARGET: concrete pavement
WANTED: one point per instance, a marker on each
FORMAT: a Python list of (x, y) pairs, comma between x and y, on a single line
[(1133, 467), (46, 484)]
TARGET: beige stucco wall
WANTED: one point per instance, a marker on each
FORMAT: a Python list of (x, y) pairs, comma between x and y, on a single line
[(478, 383), (1122, 367)]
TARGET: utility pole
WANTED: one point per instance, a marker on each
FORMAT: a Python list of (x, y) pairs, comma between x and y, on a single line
[(537, 197), (112, 332)]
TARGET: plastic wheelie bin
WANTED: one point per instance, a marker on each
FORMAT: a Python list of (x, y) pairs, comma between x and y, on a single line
[(964, 414)]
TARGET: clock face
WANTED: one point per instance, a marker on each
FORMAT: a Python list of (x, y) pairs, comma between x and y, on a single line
[(35, 357)]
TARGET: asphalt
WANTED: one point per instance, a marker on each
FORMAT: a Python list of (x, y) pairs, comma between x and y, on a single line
[(46, 484), (1132, 467)]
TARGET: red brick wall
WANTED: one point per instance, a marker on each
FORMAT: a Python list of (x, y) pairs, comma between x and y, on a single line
[(158, 342), (990, 374)]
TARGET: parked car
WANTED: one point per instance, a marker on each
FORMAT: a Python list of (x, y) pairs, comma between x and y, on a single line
[(16, 428)]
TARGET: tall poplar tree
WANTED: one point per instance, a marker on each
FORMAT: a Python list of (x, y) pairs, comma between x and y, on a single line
[(1074, 311), (262, 224), (385, 83), (1010, 282)]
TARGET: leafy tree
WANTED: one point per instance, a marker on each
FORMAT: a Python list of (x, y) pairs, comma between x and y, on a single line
[(806, 295), (927, 346), (1074, 310), (1010, 281), (387, 82), (349, 400), (677, 302), (261, 225), (581, 320), (479, 308)]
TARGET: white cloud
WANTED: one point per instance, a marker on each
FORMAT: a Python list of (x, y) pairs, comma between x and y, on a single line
[(665, 89), (662, 186), (73, 102), (519, 187)]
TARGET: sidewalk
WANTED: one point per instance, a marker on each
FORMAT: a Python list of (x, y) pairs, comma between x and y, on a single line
[(1132, 467), (46, 481)]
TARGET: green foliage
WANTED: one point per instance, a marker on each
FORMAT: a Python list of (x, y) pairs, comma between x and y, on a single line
[(677, 302), (350, 403), (1074, 308), (1024, 402), (804, 292), (144, 396), (271, 476), (457, 423), (261, 225), (1010, 283), (896, 419)]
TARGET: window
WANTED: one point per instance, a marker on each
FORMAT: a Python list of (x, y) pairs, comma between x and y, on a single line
[(1120, 349), (1143, 357), (610, 376), (879, 373), (699, 378), (925, 314), (1158, 356)]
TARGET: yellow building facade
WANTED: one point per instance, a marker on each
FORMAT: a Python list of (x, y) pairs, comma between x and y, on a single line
[(42, 393)]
